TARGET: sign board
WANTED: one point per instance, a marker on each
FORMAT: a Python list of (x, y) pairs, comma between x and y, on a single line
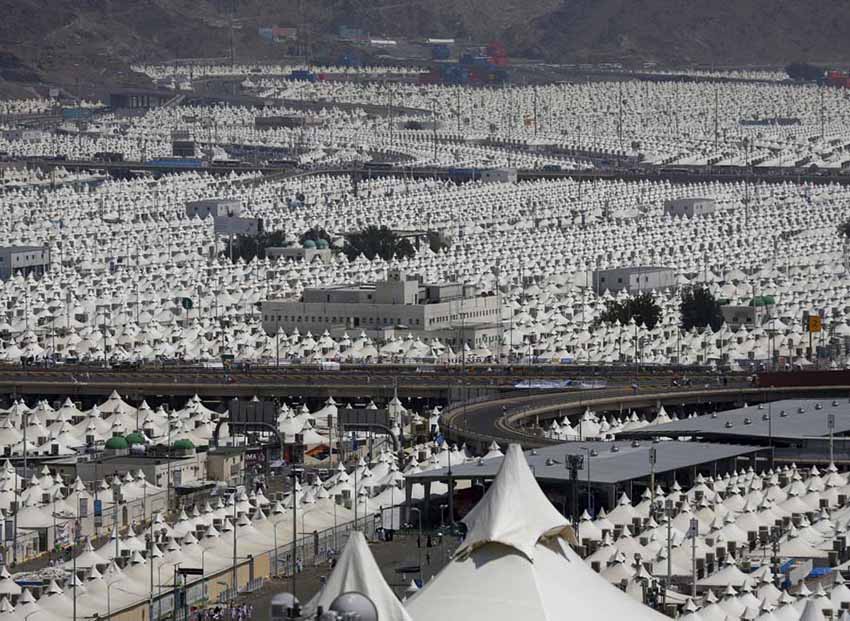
[(235, 225), (190, 571), (253, 412), (693, 530), (362, 418), (830, 422), (255, 457), (815, 323), (186, 303), (98, 507)]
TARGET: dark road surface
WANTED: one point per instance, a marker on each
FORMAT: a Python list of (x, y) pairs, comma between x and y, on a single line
[(402, 551)]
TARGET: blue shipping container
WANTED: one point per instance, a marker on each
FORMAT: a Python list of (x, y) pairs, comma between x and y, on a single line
[(303, 74), (177, 162), (440, 52), (77, 114)]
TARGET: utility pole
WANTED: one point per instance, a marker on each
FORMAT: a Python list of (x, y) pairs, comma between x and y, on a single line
[(693, 532), (574, 464), (653, 456), (457, 108), (716, 121), (620, 114), (235, 578), (434, 119), (822, 120), (535, 111)]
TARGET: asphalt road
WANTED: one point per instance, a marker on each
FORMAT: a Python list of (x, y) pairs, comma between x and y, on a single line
[(281, 377), (486, 421), (402, 551)]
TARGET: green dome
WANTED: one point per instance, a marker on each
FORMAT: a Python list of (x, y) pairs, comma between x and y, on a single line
[(135, 438), (322, 244), (183, 445), (117, 443), (309, 244)]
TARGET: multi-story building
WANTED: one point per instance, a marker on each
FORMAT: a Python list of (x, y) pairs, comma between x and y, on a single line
[(24, 260), (690, 207), (634, 279), (215, 207), (402, 304), (305, 253)]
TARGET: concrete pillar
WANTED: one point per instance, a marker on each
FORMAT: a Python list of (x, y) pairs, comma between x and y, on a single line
[(408, 493), (611, 492), (427, 508)]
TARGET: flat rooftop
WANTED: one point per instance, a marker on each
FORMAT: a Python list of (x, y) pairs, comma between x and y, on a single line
[(789, 419), (627, 462), (636, 270)]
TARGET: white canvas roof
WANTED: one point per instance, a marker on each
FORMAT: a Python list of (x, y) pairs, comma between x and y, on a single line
[(493, 520), (356, 570), (516, 564)]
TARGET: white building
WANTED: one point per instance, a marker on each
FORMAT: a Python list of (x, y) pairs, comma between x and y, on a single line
[(400, 304), (634, 279), (690, 207)]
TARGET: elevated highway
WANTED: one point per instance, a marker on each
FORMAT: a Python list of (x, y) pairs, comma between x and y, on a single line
[(678, 174), (522, 418), (378, 381)]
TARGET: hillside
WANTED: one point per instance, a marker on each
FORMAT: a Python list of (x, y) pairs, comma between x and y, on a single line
[(87, 42), (747, 32)]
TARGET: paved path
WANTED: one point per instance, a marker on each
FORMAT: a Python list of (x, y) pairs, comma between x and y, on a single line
[(389, 556)]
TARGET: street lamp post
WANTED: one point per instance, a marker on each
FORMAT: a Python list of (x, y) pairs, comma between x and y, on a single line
[(109, 600), (295, 472), (419, 546), (276, 564)]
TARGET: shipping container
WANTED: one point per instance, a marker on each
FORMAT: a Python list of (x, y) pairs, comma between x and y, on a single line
[(77, 114), (350, 59), (177, 162), (303, 75), (440, 52)]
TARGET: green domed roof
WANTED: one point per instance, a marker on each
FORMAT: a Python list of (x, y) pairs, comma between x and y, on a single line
[(183, 445), (117, 443), (322, 244), (309, 243), (135, 438)]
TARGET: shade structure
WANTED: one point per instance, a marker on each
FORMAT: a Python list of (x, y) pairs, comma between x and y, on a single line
[(356, 570), (518, 564)]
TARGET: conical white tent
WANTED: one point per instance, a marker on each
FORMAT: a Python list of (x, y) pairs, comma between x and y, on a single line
[(518, 564), (356, 570)]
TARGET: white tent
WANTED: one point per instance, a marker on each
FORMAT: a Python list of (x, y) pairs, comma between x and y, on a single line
[(356, 570), (518, 564)]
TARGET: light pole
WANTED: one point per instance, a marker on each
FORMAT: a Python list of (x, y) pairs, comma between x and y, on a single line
[(295, 472), (276, 564), (175, 590), (419, 546), (159, 582), (109, 599), (234, 577)]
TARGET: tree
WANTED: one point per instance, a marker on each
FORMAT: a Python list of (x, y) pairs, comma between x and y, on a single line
[(315, 234), (437, 242), (374, 241), (844, 229), (699, 309), (642, 308), (805, 71), (248, 247)]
